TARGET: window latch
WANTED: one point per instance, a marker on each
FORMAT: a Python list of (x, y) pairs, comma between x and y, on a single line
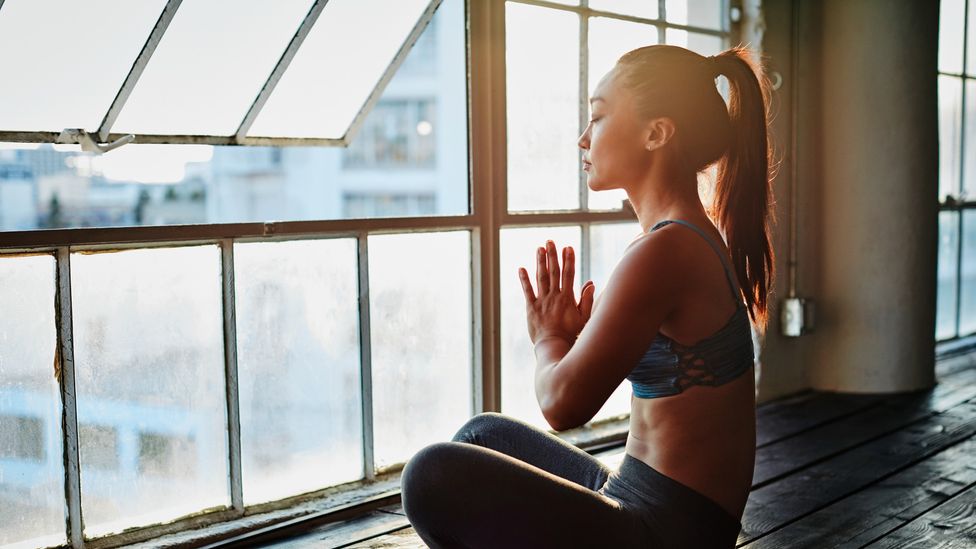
[(72, 136)]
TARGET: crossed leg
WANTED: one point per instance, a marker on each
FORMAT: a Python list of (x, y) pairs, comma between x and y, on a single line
[(503, 483)]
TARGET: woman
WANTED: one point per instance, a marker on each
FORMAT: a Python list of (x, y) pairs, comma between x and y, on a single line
[(671, 320)]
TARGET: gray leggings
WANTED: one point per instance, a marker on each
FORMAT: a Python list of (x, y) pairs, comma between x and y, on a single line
[(502, 483)]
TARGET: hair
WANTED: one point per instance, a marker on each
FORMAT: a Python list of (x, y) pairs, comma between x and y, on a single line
[(680, 84)]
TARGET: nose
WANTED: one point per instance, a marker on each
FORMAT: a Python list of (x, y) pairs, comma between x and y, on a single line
[(584, 139)]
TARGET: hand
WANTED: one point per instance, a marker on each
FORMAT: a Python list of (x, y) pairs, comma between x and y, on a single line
[(555, 312)]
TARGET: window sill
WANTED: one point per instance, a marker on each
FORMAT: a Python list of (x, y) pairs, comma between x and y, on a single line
[(294, 515)]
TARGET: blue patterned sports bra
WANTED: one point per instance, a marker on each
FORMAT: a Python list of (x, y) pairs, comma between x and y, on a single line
[(667, 368)]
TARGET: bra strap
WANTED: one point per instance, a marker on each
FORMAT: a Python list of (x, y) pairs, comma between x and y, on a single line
[(718, 251)]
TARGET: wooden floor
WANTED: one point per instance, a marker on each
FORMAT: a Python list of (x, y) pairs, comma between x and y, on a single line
[(831, 471)]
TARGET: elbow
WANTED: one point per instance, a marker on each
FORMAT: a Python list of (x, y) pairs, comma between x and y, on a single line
[(561, 415)]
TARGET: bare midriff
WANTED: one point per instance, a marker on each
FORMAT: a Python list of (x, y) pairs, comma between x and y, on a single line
[(703, 437)]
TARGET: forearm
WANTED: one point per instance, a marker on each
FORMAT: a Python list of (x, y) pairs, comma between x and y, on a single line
[(549, 350)]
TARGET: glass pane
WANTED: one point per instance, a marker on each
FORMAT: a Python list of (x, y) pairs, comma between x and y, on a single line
[(703, 44), (421, 332), (952, 22), (347, 45), (607, 246), (971, 41), (298, 365), (950, 130), (69, 58), (967, 304), (150, 376), (209, 66), (697, 13), (948, 286), (32, 484), (638, 8), (518, 359), (409, 158), (608, 40), (543, 108), (969, 181)]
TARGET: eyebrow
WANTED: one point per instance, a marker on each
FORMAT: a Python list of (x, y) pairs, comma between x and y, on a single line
[(597, 98)]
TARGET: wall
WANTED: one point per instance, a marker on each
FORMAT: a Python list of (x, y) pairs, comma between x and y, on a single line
[(867, 175)]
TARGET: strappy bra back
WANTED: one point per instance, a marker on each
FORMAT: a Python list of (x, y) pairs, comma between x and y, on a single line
[(668, 368)]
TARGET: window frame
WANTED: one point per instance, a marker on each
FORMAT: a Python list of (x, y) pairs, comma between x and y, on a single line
[(488, 216), (956, 201)]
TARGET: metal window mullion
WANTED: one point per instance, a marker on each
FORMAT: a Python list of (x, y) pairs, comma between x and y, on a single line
[(662, 13), (585, 256), (488, 148), (365, 358), (137, 67), (232, 386), (283, 62), (584, 107), (69, 410), (962, 170)]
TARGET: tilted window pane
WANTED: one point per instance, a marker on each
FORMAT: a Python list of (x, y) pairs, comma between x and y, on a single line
[(543, 108), (697, 13), (409, 158), (149, 364), (952, 22), (32, 509), (210, 65), (948, 283), (607, 245), (950, 134), (337, 67), (518, 249), (638, 8), (967, 283), (608, 40), (298, 366), (421, 332), (64, 63)]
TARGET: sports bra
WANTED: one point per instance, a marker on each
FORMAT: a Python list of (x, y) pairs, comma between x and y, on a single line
[(668, 367)]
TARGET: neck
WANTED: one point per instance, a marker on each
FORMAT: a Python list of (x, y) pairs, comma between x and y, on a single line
[(666, 195)]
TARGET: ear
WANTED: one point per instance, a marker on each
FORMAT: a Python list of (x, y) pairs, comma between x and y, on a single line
[(659, 132)]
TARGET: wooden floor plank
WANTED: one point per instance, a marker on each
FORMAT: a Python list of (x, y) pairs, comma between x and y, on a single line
[(794, 416), (776, 505), (883, 507), (341, 534), (406, 538), (795, 453), (952, 524)]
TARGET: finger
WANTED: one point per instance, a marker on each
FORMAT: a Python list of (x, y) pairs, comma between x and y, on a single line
[(526, 286), (553, 266), (541, 272), (569, 268), (586, 301)]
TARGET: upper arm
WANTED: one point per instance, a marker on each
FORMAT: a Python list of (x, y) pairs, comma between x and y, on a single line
[(641, 293)]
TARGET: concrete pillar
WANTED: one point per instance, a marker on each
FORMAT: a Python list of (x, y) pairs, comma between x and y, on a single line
[(879, 225)]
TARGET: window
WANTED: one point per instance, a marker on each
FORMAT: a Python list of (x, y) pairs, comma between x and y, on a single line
[(289, 306), (956, 304)]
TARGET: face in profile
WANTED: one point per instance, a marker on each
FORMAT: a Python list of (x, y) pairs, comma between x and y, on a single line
[(613, 144)]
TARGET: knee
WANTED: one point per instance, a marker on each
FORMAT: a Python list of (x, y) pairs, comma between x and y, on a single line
[(483, 423), (425, 480)]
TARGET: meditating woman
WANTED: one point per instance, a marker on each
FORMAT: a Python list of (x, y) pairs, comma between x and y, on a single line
[(674, 320)]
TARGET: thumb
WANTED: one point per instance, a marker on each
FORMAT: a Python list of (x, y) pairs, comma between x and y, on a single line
[(586, 300)]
